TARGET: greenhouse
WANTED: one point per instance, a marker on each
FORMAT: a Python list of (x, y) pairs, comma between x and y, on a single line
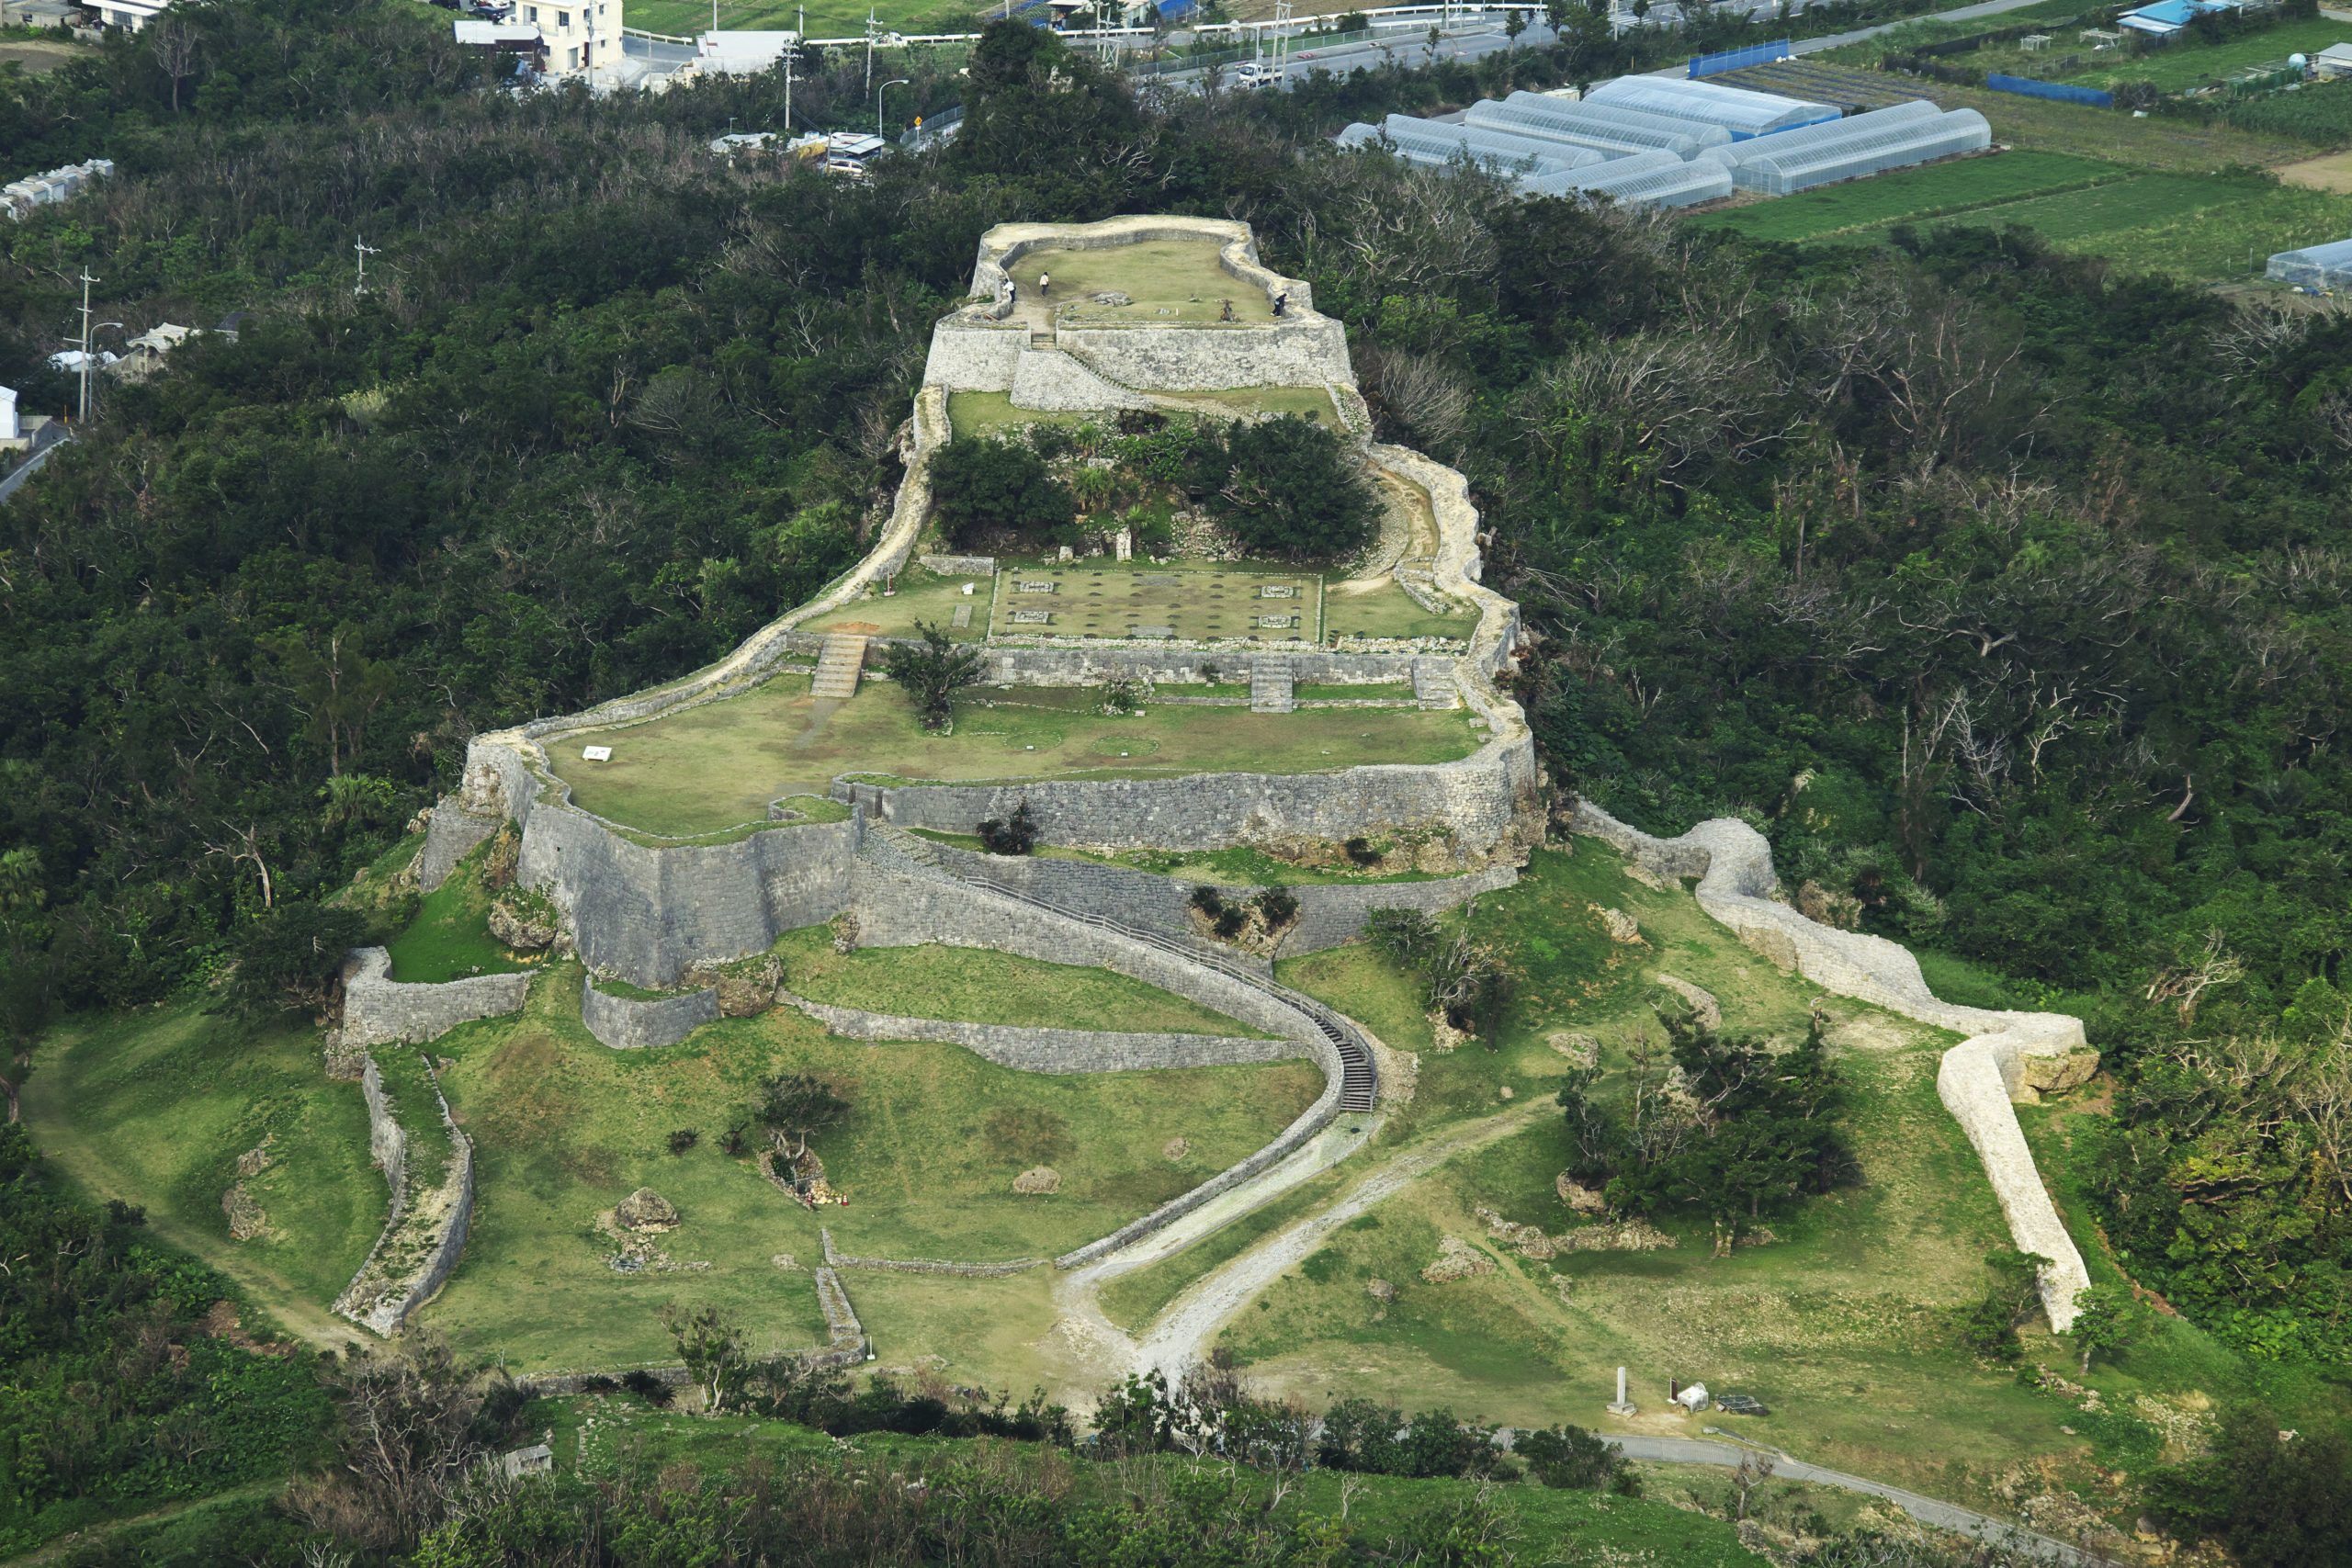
[(1829, 132), (1619, 132), (2315, 266), (1862, 150), (1656, 179), (1742, 113), (1431, 144)]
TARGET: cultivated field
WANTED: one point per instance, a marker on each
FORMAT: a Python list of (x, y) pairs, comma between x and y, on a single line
[(2185, 62), (710, 768), (1908, 195), (1139, 600)]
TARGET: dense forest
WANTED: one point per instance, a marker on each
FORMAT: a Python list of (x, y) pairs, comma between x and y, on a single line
[(2005, 593)]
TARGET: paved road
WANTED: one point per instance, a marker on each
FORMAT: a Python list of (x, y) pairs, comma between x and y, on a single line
[(29, 466), (1927, 1510)]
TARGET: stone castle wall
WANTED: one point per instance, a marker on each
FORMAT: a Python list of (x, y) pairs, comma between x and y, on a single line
[(1054, 1050), (387, 1143), (2003, 1057), (424, 1235), (1328, 913), (448, 839), (630, 1023), (379, 1009)]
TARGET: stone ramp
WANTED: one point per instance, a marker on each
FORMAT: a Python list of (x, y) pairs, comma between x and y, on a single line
[(1433, 684), (1045, 378), (838, 664), (1272, 683)]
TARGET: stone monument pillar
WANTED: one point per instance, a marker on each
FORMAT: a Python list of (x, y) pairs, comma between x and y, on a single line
[(1621, 1405)]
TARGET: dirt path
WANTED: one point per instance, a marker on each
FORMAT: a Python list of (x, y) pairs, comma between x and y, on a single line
[(1098, 1350)]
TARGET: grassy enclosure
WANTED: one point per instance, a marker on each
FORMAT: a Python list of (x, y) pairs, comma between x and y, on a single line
[(917, 594), (1126, 599), (564, 1128), (450, 937), (1169, 281), (979, 986), (714, 766), (2187, 61)]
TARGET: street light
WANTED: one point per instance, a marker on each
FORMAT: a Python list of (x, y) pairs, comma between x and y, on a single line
[(896, 82)]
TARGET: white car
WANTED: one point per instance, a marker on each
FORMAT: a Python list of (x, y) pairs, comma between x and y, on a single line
[(1254, 75)]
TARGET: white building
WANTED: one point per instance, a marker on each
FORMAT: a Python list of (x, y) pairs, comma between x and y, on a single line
[(2334, 62), (580, 37), (131, 14)]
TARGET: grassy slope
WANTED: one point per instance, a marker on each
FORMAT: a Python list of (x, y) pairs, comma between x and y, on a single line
[(1912, 193), (1838, 1325), (565, 1128), (155, 1106), (2185, 62), (450, 937), (983, 987), (714, 766)]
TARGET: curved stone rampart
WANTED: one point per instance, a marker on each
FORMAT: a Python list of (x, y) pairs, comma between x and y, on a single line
[(1979, 1076), (629, 1023), (387, 1142), (424, 1230), (380, 1011), (1030, 1050)]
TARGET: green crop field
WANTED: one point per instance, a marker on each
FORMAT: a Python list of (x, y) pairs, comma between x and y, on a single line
[(1907, 195), (2185, 62), (1122, 600), (712, 767), (824, 18), (564, 1128)]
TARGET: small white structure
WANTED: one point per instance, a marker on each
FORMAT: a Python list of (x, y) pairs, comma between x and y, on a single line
[(583, 36), (20, 196), (70, 360), (144, 355), (740, 53), (849, 152), (2334, 62), (1694, 1399), (597, 753), (1621, 1405), (133, 14)]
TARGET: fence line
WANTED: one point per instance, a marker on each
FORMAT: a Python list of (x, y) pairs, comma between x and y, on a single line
[(2025, 86), (1716, 64)]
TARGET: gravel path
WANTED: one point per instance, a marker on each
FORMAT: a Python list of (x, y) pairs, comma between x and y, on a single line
[(1181, 1334)]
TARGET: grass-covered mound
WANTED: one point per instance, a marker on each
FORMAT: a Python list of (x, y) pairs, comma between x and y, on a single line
[(564, 1128), (719, 765)]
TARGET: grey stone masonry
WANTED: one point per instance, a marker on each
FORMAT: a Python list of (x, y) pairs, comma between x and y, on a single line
[(1270, 685), (847, 1336), (1054, 1050), (1171, 669), (379, 1009), (1434, 684), (387, 1143), (424, 1235), (960, 566), (1328, 913), (627, 1024), (1999, 1059), (834, 1259), (448, 839), (1046, 378)]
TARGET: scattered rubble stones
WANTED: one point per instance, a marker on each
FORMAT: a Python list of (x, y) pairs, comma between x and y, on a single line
[(1703, 1002), (1579, 1198), (746, 989), (246, 1220), (1620, 926), (1380, 1291), (1456, 1260), (1581, 1050), (522, 922), (1174, 1150)]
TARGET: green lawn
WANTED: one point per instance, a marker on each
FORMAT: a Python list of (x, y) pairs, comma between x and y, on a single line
[(1169, 281), (450, 937), (716, 765), (979, 986), (155, 1106), (919, 594), (1384, 610), (826, 18), (2185, 62), (564, 1128), (1123, 599), (986, 413), (1907, 195)]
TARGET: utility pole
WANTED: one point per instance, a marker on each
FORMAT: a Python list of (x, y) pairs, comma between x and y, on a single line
[(873, 36), (86, 281), (365, 250), (1282, 41), (791, 58)]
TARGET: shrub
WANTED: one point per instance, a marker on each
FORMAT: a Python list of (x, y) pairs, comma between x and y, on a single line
[(1122, 695), (932, 672), (684, 1139), (1360, 851), (289, 959), (1279, 906), (1229, 921), (1208, 900), (1291, 488), (1572, 1458), (647, 1387), (1015, 835), (978, 484)]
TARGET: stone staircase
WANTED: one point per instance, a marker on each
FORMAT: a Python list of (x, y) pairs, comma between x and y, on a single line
[(1359, 1080), (838, 664), (1272, 683)]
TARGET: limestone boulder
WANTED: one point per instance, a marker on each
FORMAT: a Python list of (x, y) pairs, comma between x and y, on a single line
[(1380, 1291), (1583, 1200), (523, 922), (2056, 1074), (1703, 1002), (746, 989), (246, 1220), (646, 1210), (1037, 1182), (1582, 1050), (1456, 1260), (1620, 926)]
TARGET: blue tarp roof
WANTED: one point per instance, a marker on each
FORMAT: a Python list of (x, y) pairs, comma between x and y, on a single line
[(2180, 12)]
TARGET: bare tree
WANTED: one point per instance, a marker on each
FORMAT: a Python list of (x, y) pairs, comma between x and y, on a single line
[(177, 49)]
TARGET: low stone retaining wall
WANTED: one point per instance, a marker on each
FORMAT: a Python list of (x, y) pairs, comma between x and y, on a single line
[(2005, 1056), (960, 566), (387, 1142), (1173, 667), (924, 1266), (1328, 913), (424, 1236), (848, 1343), (1484, 801), (380, 1011), (627, 1023), (1053, 1050)]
